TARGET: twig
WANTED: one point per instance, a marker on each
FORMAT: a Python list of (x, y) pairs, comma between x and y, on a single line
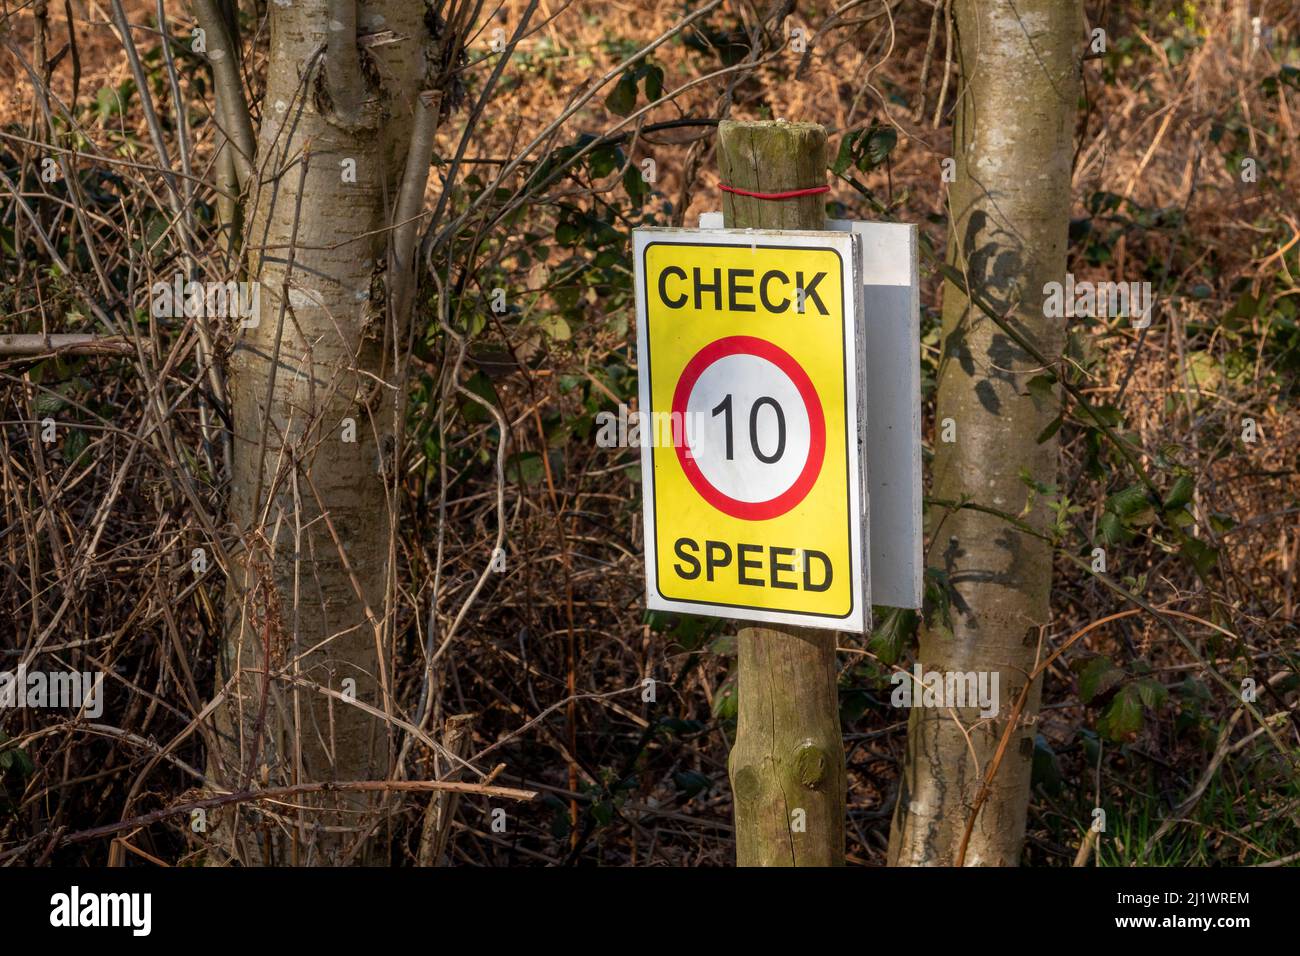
[(279, 793)]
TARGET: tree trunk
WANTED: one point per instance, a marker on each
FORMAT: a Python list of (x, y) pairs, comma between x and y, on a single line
[(1010, 212), (787, 765), (317, 409)]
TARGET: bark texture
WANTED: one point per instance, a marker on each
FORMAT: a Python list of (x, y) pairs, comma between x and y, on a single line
[(789, 754), (1010, 213), (317, 410)]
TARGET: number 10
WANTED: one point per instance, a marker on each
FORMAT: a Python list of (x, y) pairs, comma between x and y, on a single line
[(724, 407)]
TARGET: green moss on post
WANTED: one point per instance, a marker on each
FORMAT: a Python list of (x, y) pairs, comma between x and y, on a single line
[(789, 754)]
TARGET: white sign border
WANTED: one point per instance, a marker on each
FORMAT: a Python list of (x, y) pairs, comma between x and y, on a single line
[(848, 247)]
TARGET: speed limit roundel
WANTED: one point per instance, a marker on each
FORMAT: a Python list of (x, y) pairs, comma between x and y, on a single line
[(749, 427), (755, 434)]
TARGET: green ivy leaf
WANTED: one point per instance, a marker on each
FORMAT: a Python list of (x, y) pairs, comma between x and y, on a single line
[(936, 603), (566, 233), (1203, 371), (1181, 493), (472, 411), (724, 645), (844, 158), (74, 446), (527, 466), (1151, 692), (49, 403), (622, 98), (654, 83), (15, 758), (559, 816), (556, 327), (604, 161), (602, 811), (689, 630), (1112, 529), (893, 634), (1221, 523), (1109, 414), (691, 783), (1042, 387), (1199, 555), (1131, 505), (1052, 428), (866, 149), (1124, 715), (637, 188), (726, 703), (1097, 675), (880, 142)]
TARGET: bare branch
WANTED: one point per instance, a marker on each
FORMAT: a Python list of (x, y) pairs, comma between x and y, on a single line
[(67, 343), (232, 107)]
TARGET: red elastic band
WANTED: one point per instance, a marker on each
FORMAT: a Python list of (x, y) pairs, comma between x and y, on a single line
[(811, 191)]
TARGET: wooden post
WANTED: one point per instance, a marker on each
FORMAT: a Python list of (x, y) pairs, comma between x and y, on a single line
[(787, 765)]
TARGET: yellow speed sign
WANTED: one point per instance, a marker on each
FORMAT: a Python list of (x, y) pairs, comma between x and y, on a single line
[(750, 412)]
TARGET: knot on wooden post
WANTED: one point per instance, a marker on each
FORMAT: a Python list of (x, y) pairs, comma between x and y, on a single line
[(810, 764), (745, 784)]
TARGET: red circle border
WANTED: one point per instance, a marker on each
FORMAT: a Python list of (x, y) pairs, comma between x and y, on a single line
[(792, 496)]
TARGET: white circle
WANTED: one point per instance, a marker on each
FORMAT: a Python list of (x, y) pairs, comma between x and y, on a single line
[(745, 388)]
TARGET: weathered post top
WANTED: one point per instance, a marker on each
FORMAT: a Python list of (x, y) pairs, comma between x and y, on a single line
[(771, 157)]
